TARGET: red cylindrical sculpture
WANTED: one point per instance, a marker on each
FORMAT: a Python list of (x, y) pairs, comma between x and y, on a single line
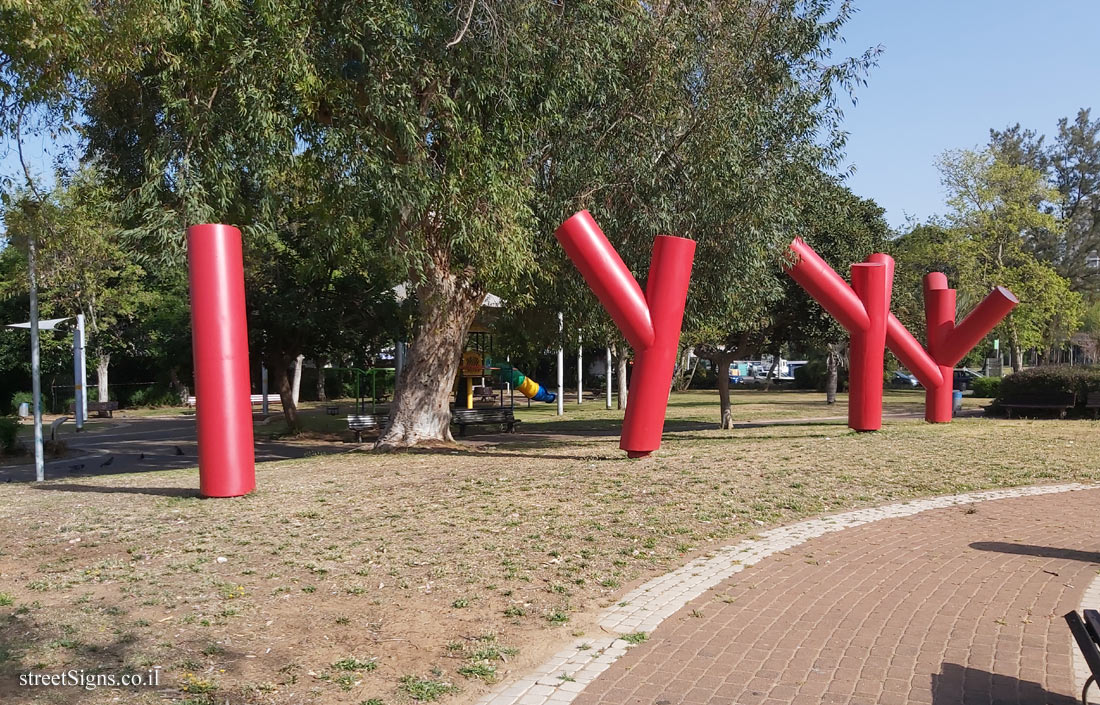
[(651, 323), (608, 278), (219, 336), (666, 293), (858, 309), (868, 347), (863, 309)]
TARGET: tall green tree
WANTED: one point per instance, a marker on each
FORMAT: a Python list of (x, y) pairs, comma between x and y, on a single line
[(1002, 209)]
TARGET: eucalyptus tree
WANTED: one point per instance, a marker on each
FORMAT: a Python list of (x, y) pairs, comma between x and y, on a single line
[(710, 121)]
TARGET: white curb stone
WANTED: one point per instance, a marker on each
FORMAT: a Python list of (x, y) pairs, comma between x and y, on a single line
[(646, 606)]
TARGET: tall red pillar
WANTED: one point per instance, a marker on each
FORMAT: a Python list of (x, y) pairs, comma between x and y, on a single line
[(227, 463)]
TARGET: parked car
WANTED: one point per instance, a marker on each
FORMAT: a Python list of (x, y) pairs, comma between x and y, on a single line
[(963, 378), (903, 380)]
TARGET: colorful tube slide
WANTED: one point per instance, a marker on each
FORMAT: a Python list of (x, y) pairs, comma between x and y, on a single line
[(527, 386)]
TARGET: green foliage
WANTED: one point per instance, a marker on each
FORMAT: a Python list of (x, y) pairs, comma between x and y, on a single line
[(9, 434), (986, 387), (1042, 381)]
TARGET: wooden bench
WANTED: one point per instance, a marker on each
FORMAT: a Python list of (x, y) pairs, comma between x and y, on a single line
[(332, 410), (483, 417), (1055, 401), (1086, 632), (102, 409), (485, 393), (358, 423), (1092, 401), (255, 399)]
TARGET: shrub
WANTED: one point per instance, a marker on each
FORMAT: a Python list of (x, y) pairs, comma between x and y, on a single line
[(9, 432), (986, 387), (1043, 381)]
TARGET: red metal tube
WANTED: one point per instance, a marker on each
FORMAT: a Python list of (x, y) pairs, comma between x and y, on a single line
[(970, 331), (939, 316), (868, 346), (827, 287), (220, 347), (666, 294), (606, 274), (911, 354)]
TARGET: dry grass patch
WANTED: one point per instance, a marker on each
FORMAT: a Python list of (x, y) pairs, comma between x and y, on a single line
[(432, 575)]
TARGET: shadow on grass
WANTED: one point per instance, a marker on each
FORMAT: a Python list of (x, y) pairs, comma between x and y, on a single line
[(101, 489), (1023, 549)]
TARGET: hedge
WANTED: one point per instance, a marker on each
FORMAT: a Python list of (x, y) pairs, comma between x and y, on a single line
[(1042, 381)]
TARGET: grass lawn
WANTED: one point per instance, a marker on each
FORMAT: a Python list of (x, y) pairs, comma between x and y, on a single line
[(357, 578)]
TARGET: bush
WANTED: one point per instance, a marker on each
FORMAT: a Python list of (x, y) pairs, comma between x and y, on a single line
[(9, 432), (1043, 381), (151, 396), (986, 387), (24, 397)]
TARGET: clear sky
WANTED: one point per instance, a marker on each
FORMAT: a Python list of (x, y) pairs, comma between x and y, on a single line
[(948, 72)]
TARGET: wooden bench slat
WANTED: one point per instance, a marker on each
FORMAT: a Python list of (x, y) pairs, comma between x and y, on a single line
[(1085, 642)]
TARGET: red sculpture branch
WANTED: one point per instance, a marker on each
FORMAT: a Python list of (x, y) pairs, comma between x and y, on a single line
[(650, 322)]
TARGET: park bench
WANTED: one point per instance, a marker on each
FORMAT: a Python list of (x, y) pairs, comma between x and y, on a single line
[(485, 393), (483, 417), (358, 423), (254, 399), (102, 409), (1086, 632), (1092, 401), (1053, 401)]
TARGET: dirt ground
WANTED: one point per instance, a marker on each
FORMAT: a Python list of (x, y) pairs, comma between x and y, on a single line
[(359, 578)]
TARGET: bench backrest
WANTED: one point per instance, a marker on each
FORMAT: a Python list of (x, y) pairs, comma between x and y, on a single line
[(1093, 399), (1087, 635), (365, 421), (472, 416)]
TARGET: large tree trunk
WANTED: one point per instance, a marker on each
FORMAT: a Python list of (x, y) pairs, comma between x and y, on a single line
[(277, 368), (722, 371), (831, 364), (447, 305), (621, 361), (103, 364), (321, 379)]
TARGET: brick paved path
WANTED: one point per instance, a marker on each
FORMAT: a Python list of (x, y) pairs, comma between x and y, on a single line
[(959, 605)]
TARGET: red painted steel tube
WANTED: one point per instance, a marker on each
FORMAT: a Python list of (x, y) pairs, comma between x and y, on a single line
[(939, 316), (220, 347), (912, 354), (827, 287), (606, 274), (970, 331), (666, 293), (868, 347)]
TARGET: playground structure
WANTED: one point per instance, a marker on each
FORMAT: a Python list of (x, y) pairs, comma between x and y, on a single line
[(650, 322), (863, 309), (227, 464), (475, 364)]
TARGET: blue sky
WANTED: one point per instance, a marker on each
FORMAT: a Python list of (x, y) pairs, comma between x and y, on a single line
[(948, 72)]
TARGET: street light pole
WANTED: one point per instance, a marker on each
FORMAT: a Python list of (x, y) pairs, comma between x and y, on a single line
[(36, 372)]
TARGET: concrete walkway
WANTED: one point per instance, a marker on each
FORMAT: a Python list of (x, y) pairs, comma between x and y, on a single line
[(923, 602)]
